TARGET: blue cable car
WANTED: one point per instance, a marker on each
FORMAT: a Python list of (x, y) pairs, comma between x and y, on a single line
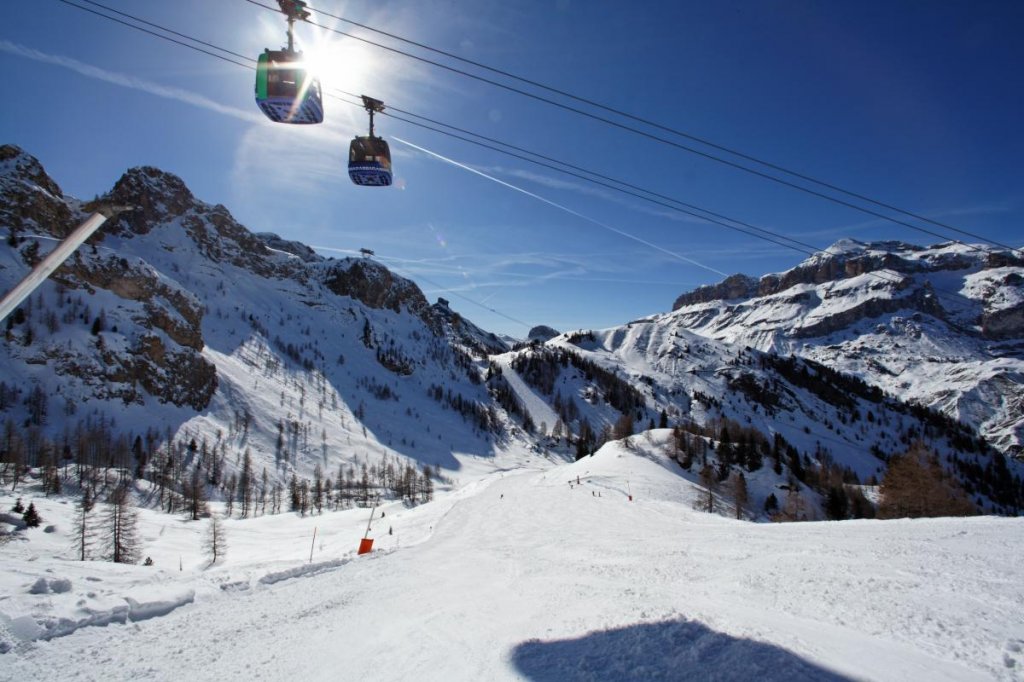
[(369, 157), (285, 90)]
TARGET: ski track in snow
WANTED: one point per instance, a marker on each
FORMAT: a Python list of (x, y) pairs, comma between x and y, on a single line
[(530, 575)]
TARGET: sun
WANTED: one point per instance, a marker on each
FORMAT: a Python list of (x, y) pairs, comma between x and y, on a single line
[(341, 65)]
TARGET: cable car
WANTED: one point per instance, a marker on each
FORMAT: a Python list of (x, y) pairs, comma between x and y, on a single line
[(369, 157), (285, 90)]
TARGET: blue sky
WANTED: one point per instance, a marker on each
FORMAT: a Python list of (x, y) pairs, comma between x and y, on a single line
[(918, 104)]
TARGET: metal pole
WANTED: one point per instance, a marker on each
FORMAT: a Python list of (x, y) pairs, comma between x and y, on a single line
[(55, 259), (367, 533)]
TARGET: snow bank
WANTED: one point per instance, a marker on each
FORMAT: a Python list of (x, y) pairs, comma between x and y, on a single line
[(531, 575)]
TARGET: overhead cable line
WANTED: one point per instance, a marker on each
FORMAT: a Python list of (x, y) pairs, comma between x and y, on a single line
[(885, 276), (162, 28), (158, 35), (654, 124), (715, 217), (251, 67), (675, 203), (452, 292), (443, 288), (813, 251), (677, 145)]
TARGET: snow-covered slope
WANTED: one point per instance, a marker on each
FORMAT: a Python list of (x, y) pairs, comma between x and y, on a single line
[(177, 325), (941, 326), (656, 371), (543, 574), (178, 339)]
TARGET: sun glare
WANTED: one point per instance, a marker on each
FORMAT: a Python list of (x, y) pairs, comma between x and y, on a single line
[(339, 65)]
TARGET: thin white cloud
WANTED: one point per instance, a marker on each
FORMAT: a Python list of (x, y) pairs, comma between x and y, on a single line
[(570, 211), (593, 190), (853, 228), (126, 81)]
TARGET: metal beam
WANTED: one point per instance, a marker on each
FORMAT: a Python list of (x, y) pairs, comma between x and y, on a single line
[(56, 258)]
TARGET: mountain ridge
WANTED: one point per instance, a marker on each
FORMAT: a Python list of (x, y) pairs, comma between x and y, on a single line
[(950, 317), (181, 323)]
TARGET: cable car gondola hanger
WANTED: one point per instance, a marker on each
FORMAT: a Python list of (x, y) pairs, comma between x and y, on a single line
[(369, 158), (285, 90)]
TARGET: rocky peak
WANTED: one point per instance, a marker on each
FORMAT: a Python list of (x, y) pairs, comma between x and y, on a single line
[(156, 194), (32, 201), (295, 248), (732, 287), (17, 165), (542, 333), (845, 259), (832, 267), (376, 286)]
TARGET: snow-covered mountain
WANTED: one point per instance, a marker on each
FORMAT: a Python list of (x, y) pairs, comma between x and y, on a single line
[(941, 326), (176, 322), (177, 340)]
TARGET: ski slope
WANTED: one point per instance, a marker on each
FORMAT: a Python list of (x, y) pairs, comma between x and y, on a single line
[(531, 575)]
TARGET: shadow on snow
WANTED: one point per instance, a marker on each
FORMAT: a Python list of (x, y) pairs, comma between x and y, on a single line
[(668, 650)]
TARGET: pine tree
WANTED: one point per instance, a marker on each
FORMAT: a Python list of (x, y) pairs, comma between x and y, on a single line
[(84, 534), (294, 500), (264, 483), (836, 503), (216, 542), (623, 426), (275, 498), (318, 489), (739, 493), (230, 486), (304, 498), (726, 453), (426, 486), (246, 483), (122, 527), (795, 508), (916, 486), (754, 458), (195, 495), (709, 480), (31, 516)]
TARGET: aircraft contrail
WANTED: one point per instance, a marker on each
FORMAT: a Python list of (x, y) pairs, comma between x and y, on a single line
[(127, 81), (617, 231)]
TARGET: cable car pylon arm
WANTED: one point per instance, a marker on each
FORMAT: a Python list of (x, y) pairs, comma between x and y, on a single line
[(295, 10), (372, 106)]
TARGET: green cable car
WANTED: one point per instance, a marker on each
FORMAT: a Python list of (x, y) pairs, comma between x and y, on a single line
[(285, 90)]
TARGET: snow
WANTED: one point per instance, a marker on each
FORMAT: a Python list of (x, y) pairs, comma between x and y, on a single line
[(533, 404), (526, 574), (524, 566), (942, 362)]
